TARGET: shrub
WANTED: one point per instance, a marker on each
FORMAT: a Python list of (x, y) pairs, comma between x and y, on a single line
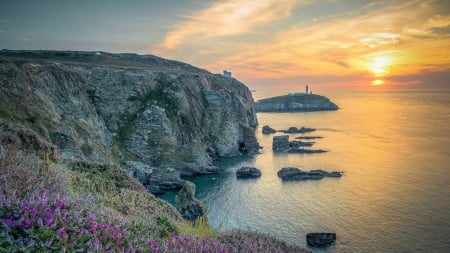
[(22, 174)]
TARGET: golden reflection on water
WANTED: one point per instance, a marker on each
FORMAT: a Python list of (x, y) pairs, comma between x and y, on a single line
[(395, 185)]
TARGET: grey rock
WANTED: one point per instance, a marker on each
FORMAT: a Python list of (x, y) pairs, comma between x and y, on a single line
[(280, 143), (293, 173), (268, 130), (189, 207), (156, 180), (320, 239), (2, 152), (295, 103), (248, 172), (166, 179)]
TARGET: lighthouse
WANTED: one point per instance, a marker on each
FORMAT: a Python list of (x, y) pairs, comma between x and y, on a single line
[(306, 89)]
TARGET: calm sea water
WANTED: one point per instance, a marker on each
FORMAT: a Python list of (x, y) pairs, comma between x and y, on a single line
[(394, 149)]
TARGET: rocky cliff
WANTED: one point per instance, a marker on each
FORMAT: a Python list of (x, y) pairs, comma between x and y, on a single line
[(139, 111), (297, 102)]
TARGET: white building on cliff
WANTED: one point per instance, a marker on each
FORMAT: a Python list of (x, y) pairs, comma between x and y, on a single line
[(226, 73)]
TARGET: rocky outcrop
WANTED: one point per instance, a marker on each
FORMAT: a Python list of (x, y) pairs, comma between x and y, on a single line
[(320, 239), (268, 130), (156, 180), (190, 208), (248, 172), (122, 108), (297, 102), (280, 143), (292, 173)]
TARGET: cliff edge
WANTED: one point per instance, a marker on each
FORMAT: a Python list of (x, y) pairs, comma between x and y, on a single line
[(140, 111), (297, 102)]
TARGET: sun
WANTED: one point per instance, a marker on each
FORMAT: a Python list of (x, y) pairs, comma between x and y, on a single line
[(380, 65)]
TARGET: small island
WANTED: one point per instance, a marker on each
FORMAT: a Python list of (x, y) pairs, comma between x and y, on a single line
[(295, 102)]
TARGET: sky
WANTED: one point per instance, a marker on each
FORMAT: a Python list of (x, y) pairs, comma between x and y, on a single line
[(266, 44)]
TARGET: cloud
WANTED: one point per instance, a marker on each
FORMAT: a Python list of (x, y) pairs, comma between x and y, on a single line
[(382, 39), (226, 18)]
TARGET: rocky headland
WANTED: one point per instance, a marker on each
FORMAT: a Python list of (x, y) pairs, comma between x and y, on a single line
[(139, 111), (297, 102)]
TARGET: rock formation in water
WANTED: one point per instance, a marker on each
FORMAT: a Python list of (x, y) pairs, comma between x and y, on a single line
[(297, 102), (140, 111), (268, 130), (189, 207), (320, 239), (281, 143), (248, 172), (292, 173)]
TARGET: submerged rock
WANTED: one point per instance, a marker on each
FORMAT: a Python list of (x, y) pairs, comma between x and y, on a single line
[(248, 172), (268, 130), (293, 173), (305, 151), (308, 137), (320, 239), (189, 207), (298, 144)]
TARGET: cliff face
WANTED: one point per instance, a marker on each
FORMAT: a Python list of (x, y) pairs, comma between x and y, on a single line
[(140, 111), (295, 103)]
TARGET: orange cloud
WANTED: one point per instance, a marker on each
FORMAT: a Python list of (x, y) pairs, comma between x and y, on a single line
[(226, 18)]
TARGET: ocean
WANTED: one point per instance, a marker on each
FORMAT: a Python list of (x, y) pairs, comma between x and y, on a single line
[(394, 196)]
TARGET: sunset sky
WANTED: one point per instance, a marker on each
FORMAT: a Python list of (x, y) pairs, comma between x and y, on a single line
[(267, 44)]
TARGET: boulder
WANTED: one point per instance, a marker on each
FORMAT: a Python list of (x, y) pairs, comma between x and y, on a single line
[(280, 143), (292, 173), (268, 130), (320, 239), (189, 207), (248, 172)]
